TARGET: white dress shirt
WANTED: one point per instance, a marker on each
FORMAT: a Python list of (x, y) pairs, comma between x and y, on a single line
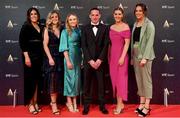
[(95, 29)]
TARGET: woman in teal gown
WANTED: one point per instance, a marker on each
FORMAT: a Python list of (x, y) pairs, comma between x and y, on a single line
[(70, 46)]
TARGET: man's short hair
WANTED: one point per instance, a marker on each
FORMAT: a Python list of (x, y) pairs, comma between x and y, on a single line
[(95, 8)]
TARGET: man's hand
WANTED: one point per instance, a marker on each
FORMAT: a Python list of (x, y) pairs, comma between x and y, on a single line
[(98, 63), (92, 63)]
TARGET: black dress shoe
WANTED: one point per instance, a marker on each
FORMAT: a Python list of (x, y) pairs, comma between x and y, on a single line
[(85, 110), (103, 110)]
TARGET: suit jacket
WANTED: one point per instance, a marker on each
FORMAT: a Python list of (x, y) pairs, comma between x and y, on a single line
[(145, 48), (95, 47)]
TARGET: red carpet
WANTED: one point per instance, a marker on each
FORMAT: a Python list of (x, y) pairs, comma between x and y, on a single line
[(157, 111)]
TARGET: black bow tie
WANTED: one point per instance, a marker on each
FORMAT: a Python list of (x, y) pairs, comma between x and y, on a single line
[(94, 26)]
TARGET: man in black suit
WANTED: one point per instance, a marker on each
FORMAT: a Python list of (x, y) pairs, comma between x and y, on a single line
[(95, 47)]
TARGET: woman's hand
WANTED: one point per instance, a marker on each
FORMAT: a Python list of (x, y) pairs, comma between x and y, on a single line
[(143, 62), (69, 65), (28, 61), (121, 61), (51, 62)]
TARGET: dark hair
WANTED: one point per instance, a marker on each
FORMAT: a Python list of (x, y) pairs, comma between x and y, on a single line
[(95, 8), (120, 9), (143, 6), (29, 14)]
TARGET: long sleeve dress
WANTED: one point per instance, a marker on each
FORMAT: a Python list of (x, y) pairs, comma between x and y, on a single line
[(71, 43), (31, 41)]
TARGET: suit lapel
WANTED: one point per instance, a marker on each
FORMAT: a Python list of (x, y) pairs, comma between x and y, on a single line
[(98, 32), (97, 35), (134, 26), (91, 31), (143, 29)]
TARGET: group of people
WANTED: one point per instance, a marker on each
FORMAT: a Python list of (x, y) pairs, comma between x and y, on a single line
[(56, 50)]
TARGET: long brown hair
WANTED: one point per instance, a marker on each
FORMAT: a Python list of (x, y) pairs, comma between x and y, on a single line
[(28, 15)]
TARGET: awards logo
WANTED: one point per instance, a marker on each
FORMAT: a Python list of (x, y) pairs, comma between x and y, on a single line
[(166, 94), (121, 6), (56, 7), (10, 93), (13, 95), (10, 24), (10, 58), (166, 58), (166, 24)]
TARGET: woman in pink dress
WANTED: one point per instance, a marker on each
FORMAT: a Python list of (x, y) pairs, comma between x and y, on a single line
[(118, 58)]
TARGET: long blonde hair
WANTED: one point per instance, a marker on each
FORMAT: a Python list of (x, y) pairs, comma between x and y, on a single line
[(49, 22), (68, 27)]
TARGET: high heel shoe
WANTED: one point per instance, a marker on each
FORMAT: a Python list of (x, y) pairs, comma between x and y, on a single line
[(32, 109), (37, 107), (142, 114), (118, 111), (70, 107), (137, 110), (54, 108), (75, 108)]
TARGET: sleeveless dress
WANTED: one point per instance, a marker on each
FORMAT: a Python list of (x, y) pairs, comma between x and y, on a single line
[(118, 74), (71, 77), (53, 75)]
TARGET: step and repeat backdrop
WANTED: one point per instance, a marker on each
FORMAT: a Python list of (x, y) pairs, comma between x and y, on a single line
[(164, 14)]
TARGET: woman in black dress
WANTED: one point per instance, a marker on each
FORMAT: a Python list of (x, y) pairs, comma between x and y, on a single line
[(31, 44), (53, 64)]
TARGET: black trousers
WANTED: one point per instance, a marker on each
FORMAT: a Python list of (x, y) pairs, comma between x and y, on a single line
[(98, 74)]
